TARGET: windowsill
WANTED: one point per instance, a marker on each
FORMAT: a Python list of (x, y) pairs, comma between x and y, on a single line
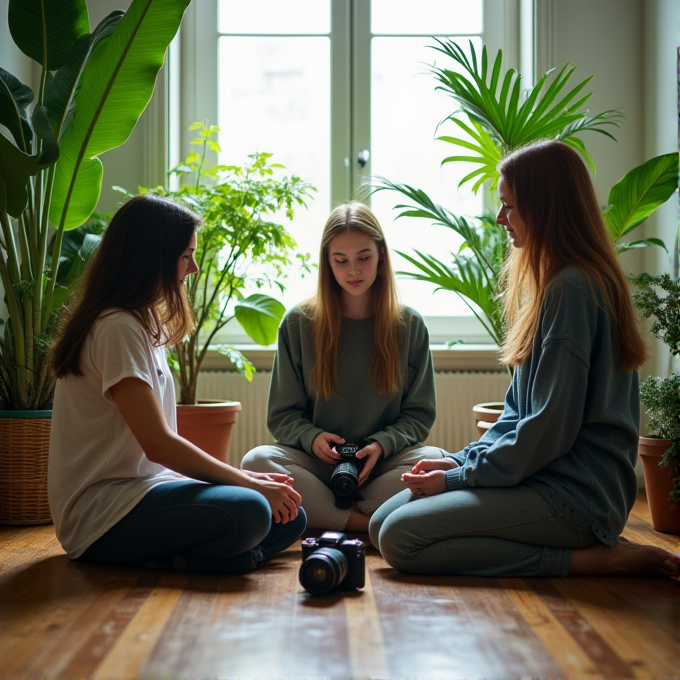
[(461, 357)]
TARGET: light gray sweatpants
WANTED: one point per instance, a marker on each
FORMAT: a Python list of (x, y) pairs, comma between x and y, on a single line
[(496, 532), (312, 476)]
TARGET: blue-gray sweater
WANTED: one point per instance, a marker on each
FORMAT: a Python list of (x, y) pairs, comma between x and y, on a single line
[(569, 427)]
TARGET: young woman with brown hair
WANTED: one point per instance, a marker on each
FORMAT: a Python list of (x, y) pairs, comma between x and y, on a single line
[(547, 490), (352, 366), (124, 488)]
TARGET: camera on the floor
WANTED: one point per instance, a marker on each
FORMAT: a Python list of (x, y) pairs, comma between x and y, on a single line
[(332, 561), (345, 478)]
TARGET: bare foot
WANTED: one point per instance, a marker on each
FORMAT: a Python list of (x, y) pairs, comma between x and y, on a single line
[(624, 559), (357, 522)]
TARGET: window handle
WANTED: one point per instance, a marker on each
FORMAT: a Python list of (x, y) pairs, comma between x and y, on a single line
[(362, 157)]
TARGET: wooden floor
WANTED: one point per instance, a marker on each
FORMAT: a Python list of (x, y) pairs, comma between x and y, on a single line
[(60, 619)]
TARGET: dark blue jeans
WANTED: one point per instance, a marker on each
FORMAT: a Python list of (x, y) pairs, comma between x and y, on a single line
[(190, 526)]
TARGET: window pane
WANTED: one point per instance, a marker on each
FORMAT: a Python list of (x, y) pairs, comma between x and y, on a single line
[(405, 112), (275, 97), (261, 17), (429, 17)]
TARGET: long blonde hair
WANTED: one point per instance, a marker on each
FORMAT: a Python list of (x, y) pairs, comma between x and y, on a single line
[(325, 309), (554, 196)]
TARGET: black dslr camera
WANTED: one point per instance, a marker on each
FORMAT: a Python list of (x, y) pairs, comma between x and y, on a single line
[(332, 561), (345, 478)]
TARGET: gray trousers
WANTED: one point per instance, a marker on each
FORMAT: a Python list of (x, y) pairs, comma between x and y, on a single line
[(498, 532), (312, 476)]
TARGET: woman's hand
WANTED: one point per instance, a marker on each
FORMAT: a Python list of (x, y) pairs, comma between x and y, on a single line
[(271, 476), (322, 447), (428, 477), (371, 454), (282, 498), (429, 464)]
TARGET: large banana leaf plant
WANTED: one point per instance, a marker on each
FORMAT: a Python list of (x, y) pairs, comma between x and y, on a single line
[(93, 88), (497, 119)]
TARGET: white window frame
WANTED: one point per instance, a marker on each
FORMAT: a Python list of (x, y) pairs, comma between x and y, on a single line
[(196, 52)]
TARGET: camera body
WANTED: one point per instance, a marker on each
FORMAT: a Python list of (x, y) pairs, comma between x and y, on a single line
[(332, 561), (344, 481)]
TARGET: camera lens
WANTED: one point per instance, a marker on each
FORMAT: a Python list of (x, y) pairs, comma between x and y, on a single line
[(324, 570), (345, 480)]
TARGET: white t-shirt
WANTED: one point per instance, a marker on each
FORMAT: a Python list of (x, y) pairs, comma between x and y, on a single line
[(97, 470)]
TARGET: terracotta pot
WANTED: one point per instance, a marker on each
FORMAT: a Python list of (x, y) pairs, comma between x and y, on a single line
[(208, 424), (486, 415), (24, 450), (658, 484)]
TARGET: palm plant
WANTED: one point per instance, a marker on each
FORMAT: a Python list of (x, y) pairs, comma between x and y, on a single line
[(498, 119)]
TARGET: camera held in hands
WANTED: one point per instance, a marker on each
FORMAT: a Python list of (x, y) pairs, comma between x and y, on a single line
[(345, 478), (332, 561)]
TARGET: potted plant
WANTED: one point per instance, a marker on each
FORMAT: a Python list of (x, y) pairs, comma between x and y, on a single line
[(93, 88), (659, 296), (241, 242), (496, 118)]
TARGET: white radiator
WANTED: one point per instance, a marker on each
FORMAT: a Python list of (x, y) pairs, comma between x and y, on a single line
[(454, 427)]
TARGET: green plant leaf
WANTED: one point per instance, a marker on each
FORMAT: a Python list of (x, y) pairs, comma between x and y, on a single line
[(60, 89), (260, 316), (550, 110), (44, 132), (639, 193), (116, 85), (243, 365), (15, 169), (644, 243), (14, 99), (47, 28)]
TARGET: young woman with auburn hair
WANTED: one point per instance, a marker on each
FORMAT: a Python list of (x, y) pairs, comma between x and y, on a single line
[(352, 365), (124, 488), (547, 490)]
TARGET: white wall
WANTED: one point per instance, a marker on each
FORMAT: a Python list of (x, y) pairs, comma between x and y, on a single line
[(660, 94)]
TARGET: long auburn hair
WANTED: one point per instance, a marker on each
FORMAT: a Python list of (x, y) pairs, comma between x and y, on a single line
[(134, 269), (554, 196), (325, 309)]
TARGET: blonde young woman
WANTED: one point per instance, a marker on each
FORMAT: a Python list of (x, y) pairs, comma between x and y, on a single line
[(124, 488), (548, 489), (352, 366)]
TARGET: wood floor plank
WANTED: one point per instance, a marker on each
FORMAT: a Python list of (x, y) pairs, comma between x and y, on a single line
[(455, 627), (364, 632), (176, 650), (569, 655), (604, 657), (625, 629), (64, 619), (43, 608), (140, 636), (264, 625)]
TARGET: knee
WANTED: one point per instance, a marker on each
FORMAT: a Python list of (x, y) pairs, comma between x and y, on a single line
[(258, 459), (396, 545)]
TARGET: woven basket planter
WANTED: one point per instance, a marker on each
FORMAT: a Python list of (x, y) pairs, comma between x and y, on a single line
[(24, 449)]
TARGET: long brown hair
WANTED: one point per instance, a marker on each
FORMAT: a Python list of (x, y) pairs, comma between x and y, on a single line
[(325, 309), (554, 196), (134, 269)]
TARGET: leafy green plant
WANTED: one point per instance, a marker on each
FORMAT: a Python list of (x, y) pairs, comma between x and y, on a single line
[(240, 242), (497, 118), (500, 118), (659, 296), (93, 88)]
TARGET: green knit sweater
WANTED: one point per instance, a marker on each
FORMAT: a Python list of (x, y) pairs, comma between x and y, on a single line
[(296, 415)]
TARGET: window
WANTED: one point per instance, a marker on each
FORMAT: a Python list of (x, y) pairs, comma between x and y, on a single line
[(339, 90)]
